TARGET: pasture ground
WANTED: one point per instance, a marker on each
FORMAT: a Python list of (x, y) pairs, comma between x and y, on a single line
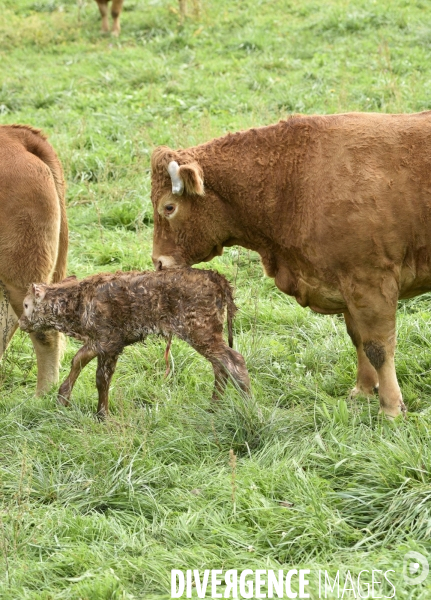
[(96, 511)]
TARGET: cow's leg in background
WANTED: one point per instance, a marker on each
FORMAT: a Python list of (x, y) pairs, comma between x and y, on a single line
[(367, 380), (8, 320), (117, 6), (48, 347), (374, 314), (103, 7)]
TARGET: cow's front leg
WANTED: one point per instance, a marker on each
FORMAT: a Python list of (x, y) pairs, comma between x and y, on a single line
[(79, 361), (374, 316), (103, 8), (105, 369), (367, 380)]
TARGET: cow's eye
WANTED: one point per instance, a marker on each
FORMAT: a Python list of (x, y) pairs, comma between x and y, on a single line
[(25, 305), (169, 209)]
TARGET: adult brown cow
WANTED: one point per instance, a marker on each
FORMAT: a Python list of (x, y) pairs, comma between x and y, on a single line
[(337, 206), (33, 235)]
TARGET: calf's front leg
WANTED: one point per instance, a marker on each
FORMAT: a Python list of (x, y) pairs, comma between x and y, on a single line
[(105, 369), (79, 361)]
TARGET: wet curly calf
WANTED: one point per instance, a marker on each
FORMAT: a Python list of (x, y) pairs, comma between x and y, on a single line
[(112, 310)]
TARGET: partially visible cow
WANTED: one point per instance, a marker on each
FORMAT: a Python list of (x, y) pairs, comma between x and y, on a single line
[(337, 206), (117, 7), (113, 310), (33, 235)]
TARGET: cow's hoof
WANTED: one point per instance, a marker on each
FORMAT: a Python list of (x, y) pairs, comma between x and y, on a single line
[(360, 391), (392, 412), (100, 416)]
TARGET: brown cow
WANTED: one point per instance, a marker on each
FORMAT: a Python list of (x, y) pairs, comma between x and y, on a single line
[(117, 6), (112, 310), (33, 235), (337, 206)]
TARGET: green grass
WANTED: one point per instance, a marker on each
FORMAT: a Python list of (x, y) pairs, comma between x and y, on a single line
[(95, 511)]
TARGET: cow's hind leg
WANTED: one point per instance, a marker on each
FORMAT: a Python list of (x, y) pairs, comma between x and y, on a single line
[(374, 316), (117, 6), (367, 381), (79, 361), (105, 369)]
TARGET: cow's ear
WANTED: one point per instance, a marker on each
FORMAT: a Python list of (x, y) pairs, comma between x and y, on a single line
[(192, 177), (38, 292)]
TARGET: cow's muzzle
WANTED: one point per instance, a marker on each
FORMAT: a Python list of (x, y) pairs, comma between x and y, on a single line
[(165, 262)]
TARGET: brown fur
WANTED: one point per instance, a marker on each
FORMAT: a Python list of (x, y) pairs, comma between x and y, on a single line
[(113, 310), (337, 206), (33, 234)]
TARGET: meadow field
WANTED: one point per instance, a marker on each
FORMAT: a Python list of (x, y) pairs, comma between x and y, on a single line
[(299, 476)]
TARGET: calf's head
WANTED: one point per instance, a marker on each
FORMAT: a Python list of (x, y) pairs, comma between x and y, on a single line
[(190, 224), (34, 316)]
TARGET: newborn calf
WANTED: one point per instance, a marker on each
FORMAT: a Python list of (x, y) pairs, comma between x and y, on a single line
[(112, 310)]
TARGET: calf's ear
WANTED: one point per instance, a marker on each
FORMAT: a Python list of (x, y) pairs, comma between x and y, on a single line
[(38, 292)]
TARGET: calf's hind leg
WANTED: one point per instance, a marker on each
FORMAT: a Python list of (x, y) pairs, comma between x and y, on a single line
[(79, 361), (230, 363), (225, 362), (105, 369)]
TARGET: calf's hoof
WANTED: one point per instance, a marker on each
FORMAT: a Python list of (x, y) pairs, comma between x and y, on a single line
[(63, 400), (101, 415)]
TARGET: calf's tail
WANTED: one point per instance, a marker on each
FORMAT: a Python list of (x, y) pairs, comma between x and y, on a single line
[(231, 310)]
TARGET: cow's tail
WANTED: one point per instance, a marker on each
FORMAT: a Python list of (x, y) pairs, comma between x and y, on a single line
[(35, 142)]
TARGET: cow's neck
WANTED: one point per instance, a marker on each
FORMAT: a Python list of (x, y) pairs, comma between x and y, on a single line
[(254, 173)]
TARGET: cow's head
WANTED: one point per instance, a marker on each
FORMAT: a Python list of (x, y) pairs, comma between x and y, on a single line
[(190, 224)]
